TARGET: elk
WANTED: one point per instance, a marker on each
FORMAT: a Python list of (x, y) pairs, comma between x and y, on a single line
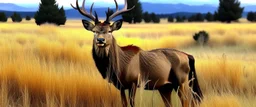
[(125, 67)]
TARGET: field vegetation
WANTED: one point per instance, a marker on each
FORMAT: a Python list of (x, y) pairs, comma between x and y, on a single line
[(52, 66)]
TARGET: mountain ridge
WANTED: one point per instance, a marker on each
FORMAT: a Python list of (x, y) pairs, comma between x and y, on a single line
[(150, 7), (174, 9)]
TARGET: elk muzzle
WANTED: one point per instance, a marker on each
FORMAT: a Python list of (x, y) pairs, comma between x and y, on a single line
[(101, 42)]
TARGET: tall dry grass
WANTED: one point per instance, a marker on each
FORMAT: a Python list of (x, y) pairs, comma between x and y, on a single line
[(52, 66)]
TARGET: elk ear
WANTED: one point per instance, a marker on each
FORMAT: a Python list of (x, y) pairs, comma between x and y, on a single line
[(117, 25), (88, 25)]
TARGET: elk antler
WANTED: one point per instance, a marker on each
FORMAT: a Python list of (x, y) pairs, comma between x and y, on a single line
[(84, 12), (118, 12)]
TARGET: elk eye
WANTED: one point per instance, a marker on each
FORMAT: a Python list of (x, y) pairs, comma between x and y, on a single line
[(109, 31)]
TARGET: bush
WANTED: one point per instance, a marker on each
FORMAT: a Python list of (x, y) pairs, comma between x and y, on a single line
[(209, 17), (146, 17), (201, 37), (170, 19), (199, 17), (184, 18), (3, 17), (16, 17), (156, 20), (192, 18), (179, 19), (28, 18), (251, 17), (215, 16)]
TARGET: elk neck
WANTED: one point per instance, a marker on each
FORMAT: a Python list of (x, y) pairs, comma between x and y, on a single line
[(112, 65)]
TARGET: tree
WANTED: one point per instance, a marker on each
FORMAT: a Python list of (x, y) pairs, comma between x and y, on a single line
[(229, 10), (28, 18), (146, 17), (199, 17), (138, 13), (135, 15), (110, 12), (16, 17), (50, 13), (184, 18), (215, 16), (209, 17), (255, 16), (62, 18), (251, 16), (192, 18), (155, 19), (201, 37), (170, 19), (3, 17), (178, 19)]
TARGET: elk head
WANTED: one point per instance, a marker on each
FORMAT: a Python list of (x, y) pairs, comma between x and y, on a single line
[(103, 37)]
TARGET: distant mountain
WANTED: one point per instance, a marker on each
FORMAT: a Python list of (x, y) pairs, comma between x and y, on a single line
[(158, 8), (174, 8), (250, 8), (13, 7), (23, 14)]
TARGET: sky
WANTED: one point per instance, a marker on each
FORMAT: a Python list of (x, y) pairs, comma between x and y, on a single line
[(66, 3)]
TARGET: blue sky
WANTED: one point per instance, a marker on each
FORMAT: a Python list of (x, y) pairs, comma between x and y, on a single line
[(66, 3)]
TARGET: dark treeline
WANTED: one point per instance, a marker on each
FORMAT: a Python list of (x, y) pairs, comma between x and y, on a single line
[(228, 11)]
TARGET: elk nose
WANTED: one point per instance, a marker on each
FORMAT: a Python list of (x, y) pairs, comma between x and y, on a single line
[(101, 40)]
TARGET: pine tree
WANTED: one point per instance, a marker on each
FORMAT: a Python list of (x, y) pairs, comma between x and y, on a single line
[(16, 17), (146, 17), (215, 16), (3, 17), (251, 17), (184, 18), (28, 18), (229, 10), (110, 12), (170, 19), (199, 17), (155, 19), (178, 19), (209, 17), (62, 18), (135, 15), (255, 16), (138, 13), (192, 18), (50, 13), (127, 17)]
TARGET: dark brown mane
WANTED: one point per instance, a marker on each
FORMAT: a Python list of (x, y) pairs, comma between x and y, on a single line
[(131, 48)]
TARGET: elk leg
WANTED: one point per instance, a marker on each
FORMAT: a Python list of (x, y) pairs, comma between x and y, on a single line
[(123, 98), (166, 92), (185, 96), (132, 92)]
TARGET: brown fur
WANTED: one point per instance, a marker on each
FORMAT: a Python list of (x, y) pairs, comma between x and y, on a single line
[(166, 69), (128, 67), (131, 48)]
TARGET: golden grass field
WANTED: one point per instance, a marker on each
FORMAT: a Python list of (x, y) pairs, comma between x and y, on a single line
[(52, 66)]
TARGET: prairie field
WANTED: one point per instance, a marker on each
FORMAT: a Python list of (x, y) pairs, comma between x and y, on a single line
[(50, 66)]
